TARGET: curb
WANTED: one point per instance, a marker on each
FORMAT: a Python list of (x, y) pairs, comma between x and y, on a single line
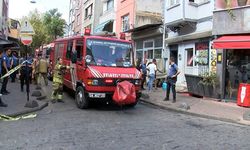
[(193, 114), (28, 111)]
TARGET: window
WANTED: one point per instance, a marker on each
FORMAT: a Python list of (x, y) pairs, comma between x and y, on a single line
[(139, 54), (79, 49), (69, 49), (173, 2), (59, 48), (139, 44), (149, 44), (190, 57), (157, 53), (110, 4), (125, 23), (88, 11), (150, 54)]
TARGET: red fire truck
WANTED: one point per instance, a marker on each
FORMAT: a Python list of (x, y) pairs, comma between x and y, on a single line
[(99, 62)]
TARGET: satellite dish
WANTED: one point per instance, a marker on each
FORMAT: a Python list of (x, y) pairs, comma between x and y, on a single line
[(33, 1)]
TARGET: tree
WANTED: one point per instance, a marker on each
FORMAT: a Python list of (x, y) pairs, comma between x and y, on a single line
[(54, 24), (39, 38)]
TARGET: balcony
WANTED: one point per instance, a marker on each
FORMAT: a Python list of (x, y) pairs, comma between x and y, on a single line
[(235, 21), (187, 13)]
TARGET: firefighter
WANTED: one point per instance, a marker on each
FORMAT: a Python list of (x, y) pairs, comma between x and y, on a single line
[(59, 70), (42, 70)]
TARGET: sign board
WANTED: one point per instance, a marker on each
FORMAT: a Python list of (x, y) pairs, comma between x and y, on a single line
[(26, 28), (26, 32), (26, 39)]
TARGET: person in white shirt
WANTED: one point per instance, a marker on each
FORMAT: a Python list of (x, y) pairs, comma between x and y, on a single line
[(151, 74)]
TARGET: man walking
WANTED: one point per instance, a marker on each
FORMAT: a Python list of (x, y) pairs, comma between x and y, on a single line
[(171, 79), (152, 69), (5, 68), (42, 68), (58, 81)]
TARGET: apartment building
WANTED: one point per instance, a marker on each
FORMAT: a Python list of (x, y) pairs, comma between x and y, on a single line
[(231, 31), (84, 14), (189, 34)]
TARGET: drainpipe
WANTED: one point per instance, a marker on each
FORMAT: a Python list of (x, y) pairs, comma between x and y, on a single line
[(183, 9), (164, 34)]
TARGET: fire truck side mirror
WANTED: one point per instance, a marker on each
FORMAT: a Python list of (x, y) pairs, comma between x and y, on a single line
[(74, 57)]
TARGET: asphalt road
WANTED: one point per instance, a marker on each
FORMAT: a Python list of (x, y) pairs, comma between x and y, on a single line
[(108, 127)]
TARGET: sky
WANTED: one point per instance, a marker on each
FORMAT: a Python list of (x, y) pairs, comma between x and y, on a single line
[(20, 8)]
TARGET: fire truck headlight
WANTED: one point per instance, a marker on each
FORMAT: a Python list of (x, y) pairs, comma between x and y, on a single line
[(93, 82), (137, 82)]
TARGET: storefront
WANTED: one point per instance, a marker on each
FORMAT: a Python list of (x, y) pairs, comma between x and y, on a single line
[(234, 55)]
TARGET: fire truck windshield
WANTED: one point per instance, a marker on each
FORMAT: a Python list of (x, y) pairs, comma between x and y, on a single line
[(109, 53)]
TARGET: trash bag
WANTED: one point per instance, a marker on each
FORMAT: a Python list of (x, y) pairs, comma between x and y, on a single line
[(124, 93)]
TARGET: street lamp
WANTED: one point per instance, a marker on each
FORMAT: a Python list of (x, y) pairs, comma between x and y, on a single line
[(33, 1)]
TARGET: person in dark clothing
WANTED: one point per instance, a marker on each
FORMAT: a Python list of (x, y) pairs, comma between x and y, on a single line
[(13, 65), (25, 75), (2, 104), (144, 73), (173, 72), (5, 68)]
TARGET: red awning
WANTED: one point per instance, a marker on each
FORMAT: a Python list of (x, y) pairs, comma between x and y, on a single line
[(232, 42)]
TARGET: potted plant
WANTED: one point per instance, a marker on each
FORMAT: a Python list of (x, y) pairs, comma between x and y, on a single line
[(210, 82)]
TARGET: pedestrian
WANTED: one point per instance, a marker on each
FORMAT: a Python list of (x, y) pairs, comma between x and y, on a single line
[(5, 68), (13, 65), (157, 69), (25, 73), (42, 70), (59, 71), (151, 75), (173, 72), (2, 104), (144, 73)]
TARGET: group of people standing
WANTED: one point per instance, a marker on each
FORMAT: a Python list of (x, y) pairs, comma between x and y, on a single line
[(149, 70)]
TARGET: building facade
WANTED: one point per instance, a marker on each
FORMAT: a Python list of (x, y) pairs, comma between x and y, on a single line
[(189, 35), (231, 30), (4, 7), (84, 14), (75, 17), (141, 21), (107, 19)]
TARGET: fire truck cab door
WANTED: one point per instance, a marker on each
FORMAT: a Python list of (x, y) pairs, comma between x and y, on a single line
[(76, 62)]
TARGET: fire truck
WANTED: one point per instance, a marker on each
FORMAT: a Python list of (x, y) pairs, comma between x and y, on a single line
[(100, 62)]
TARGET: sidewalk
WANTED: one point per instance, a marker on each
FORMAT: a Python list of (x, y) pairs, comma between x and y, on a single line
[(17, 99), (202, 107)]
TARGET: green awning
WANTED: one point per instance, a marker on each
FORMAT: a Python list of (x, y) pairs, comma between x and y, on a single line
[(102, 26)]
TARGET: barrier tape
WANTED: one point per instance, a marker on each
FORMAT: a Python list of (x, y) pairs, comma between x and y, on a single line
[(8, 118), (14, 69)]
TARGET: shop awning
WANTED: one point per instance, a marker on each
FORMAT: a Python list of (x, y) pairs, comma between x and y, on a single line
[(7, 43), (102, 26), (232, 42)]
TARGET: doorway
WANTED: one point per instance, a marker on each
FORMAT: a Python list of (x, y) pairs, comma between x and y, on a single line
[(174, 52)]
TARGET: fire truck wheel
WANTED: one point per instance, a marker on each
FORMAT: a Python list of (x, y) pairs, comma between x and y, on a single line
[(80, 98)]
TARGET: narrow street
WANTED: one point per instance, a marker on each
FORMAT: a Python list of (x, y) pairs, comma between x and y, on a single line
[(109, 127)]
